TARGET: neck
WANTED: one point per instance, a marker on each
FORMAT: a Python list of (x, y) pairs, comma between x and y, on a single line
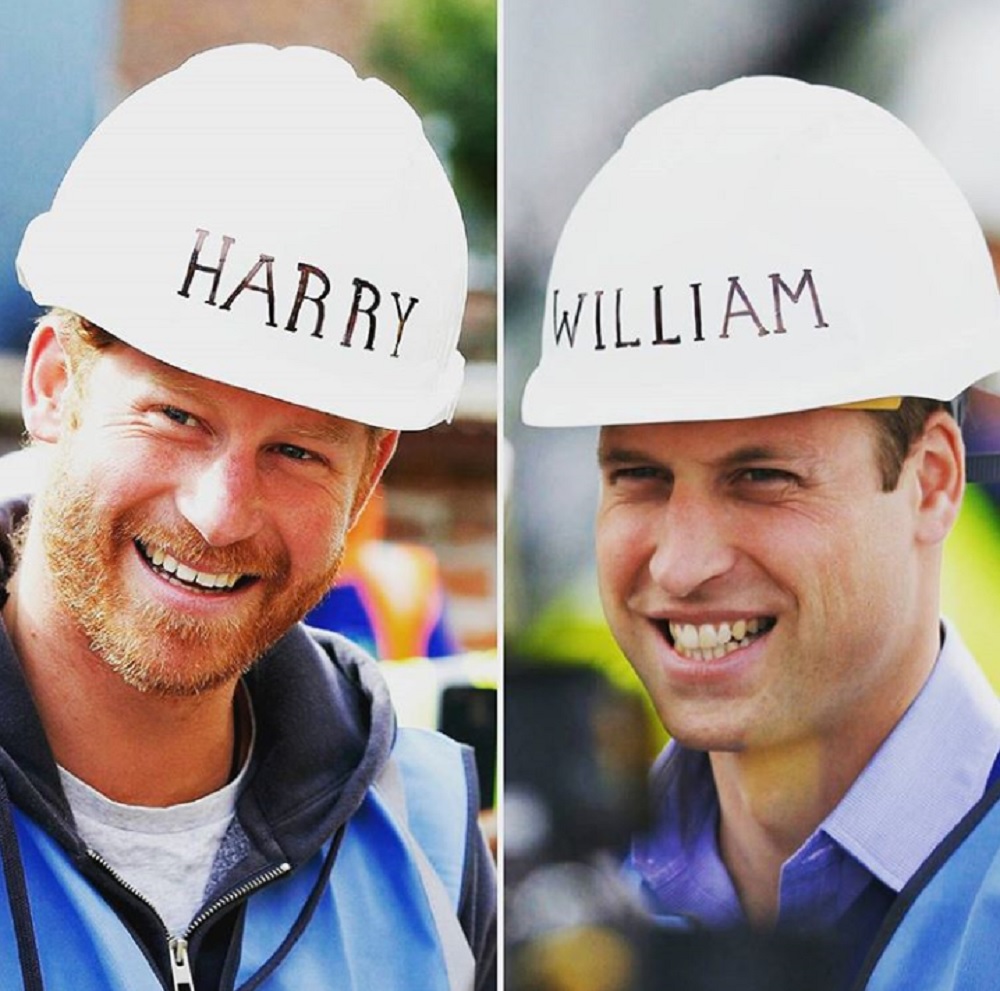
[(772, 799), (134, 747), (770, 803)]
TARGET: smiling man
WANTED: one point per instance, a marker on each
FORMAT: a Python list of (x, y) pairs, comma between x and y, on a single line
[(198, 791), (771, 300)]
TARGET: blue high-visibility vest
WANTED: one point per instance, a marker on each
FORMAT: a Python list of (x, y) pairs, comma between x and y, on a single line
[(943, 931), (384, 917)]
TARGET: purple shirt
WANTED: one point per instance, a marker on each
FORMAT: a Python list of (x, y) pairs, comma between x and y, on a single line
[(931, 769)]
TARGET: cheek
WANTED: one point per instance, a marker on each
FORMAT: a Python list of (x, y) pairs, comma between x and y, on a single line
[(314, 533), (126, 462), (852, 569), (622, 553), (81, 466)]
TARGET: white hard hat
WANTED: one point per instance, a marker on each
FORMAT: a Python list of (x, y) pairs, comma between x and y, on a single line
[(265, 218), (764, 247)]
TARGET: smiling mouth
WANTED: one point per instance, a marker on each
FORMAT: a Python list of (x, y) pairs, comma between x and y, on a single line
[(169, 568), (713, 641)]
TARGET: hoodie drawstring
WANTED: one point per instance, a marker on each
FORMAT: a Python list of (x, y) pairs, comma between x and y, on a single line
[(303, 919), (17, 896)]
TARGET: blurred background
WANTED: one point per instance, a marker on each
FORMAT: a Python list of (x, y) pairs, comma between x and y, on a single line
[(419, 587), (577, 75)]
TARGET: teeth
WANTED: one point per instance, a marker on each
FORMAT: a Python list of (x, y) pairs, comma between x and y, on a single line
[(688, 637), (186, 574), (172, 566), (707, 642)]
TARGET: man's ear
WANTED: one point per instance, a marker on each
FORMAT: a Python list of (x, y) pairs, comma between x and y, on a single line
[(385, 447), (43, 387), (939, 462)]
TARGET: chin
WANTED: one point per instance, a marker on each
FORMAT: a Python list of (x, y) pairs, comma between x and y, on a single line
[(707, 742), (705, 733)]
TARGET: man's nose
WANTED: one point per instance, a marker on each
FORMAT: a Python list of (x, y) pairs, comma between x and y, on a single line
[(693, 543), (222, 498)]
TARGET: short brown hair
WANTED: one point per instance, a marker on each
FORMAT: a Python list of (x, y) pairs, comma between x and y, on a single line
[(81, 340), (897, 431)]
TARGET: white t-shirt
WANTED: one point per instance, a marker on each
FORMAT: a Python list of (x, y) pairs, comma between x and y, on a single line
[(164, 853)]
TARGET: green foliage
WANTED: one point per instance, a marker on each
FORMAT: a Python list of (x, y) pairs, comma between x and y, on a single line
[(442, 55)]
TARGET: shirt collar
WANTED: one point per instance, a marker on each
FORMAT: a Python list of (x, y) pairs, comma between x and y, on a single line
[(920, 776), (678, 863)]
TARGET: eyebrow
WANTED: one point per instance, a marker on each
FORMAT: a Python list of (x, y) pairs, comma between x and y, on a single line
[(750, 454), (168, 377), (332, 431), (758, 452), (620, 456)]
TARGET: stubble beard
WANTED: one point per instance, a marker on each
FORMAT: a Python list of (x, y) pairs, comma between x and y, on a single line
[(154, 648)]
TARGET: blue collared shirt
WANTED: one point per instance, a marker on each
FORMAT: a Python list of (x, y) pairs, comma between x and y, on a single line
[(931, 769)]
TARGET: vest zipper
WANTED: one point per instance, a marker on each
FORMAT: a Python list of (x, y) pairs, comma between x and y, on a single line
[(235, 894), (180, 964)]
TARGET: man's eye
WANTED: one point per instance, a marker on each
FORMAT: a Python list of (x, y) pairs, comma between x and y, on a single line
[(177, 415), (295, 453), (638, 473), (767, 476)]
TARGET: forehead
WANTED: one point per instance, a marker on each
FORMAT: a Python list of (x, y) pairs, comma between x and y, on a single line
[(824, 434), (144, 372)]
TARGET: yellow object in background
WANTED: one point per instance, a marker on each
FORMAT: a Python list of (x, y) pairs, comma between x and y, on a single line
[(970, 580)]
